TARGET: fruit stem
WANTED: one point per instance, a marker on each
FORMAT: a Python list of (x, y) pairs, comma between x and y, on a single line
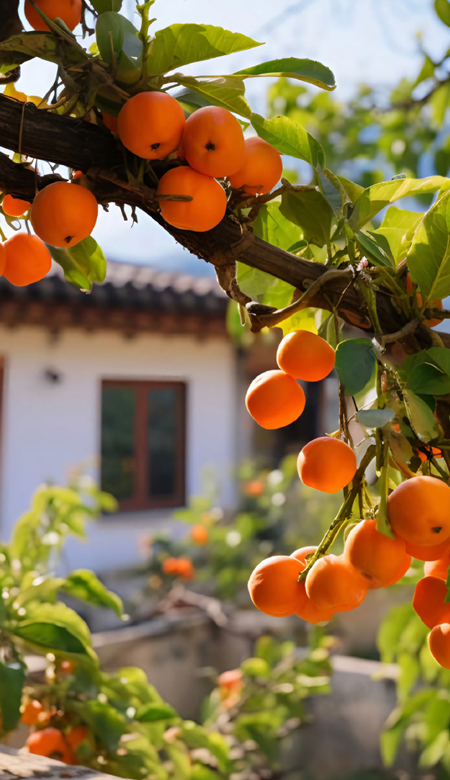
[(344, 512)]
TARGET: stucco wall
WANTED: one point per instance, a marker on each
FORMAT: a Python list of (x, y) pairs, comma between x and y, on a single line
[(47, 428)]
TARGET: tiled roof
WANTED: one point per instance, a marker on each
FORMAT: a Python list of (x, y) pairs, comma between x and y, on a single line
[(129, 293)]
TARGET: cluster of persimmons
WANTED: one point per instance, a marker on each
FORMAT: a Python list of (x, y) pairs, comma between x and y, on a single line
[(418, 512), (45, 739), (206, 147)]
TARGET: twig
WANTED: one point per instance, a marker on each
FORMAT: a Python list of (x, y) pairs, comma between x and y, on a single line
[(343, 514), (270, 319), (389, 338)]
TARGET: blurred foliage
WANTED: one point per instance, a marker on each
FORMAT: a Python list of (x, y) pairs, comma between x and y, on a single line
[(126, 728), (275, 514)]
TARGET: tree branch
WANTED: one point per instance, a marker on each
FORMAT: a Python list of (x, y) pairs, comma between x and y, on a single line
[(91, 149)]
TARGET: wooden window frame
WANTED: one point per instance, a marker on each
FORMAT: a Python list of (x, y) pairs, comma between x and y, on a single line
[(140, 500)]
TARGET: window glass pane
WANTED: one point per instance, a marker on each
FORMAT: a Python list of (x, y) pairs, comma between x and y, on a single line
[(118, 408), (162, 437)]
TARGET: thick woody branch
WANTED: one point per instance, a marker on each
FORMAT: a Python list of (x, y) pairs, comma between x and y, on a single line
[(83, 146)]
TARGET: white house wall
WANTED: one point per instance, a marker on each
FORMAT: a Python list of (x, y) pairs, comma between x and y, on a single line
[(49, 428)]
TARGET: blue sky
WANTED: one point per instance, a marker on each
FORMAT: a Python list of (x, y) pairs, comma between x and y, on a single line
[(360, 40)]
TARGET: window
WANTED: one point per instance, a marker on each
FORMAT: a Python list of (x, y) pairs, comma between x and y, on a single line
[(143, 443)]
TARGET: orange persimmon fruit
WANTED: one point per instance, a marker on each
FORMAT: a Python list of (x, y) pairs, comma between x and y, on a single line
[(419, 511), (429, 601), (381, 559), (431, 553), (326, 464), (439, 643), (213, 142), (31, 712), (15, 207), (436, 304), (208, 202), (67, 10), (261, 170), (63, 214), (150, 125), (274, 587), (27, 259), (199, 534), (274, 399), (333, 583), (437, 568), (305, 355)]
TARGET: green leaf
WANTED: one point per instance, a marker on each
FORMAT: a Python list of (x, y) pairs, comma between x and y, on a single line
[(420, 417), (255, 667), (153, 712), (226, 92), (427, 379), (271, 225), (390, 740), (101, 6), (355, 362), (368, 244), (409, 672), (290, 138), (397, 227), (391, 630), (305, 319), (82, 264), (429, 256), (375, 418), (85, 586), (434, 752), (105, 722), (311, 212), (442, 8), (378, 196), (120, 46), (303, 70), (54, 628), (181, 44), (12, 680)]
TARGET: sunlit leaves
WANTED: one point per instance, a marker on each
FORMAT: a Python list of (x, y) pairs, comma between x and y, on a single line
[(82, 264), (311, 212), (85, 586), (54, 628), (291, 67), (290, 138), (120, 46), (429, 255), (377, 197), (180, 44), (442, 8), (420, 417), (227, 92), (102, 6)]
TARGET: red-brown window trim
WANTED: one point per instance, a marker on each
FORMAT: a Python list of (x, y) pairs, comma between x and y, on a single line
[(140, 499)]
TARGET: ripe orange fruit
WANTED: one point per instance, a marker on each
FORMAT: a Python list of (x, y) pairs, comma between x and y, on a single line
[(333, 583), (419, 511), (436, 304), (213, 142), (254, 488), (439, 642), (67, 10), (326, 464), (431, 553), (274, 587), (67, 667), (305, 355), (261, 170), (382, 560), (437, 568), (199, 534), (49, 742), (31, 712), (230, 682), (185, 569), (63, 214), (2, 259), (435, 453), (207, 207), (77, 735), (274, 399), (27, 259), (429, 601), (306, 607), (150, 125), (15, 207)]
